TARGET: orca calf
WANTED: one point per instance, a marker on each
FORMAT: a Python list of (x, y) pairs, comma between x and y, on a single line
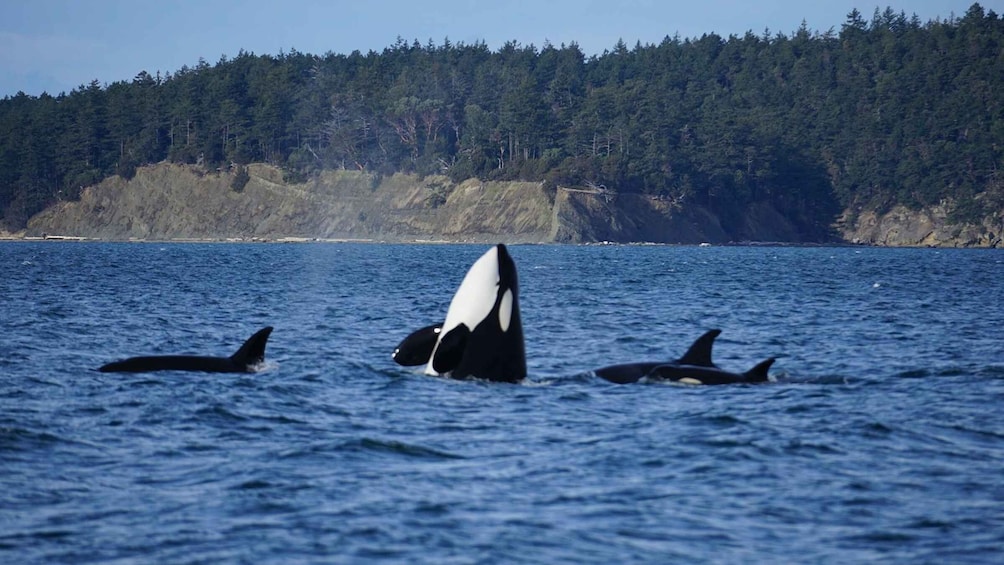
[(695, 367), (699, 355), (482, 336), (694, 375), (416, 349), (246, 360)]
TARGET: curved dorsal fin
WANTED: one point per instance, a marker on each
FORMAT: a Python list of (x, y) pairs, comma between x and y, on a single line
[(253, 350), (758, 374), (699, 353)]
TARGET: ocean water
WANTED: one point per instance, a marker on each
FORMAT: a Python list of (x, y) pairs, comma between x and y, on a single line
[(880, 437)]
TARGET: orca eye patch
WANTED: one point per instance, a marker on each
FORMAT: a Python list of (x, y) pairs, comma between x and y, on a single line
[(505, 310)]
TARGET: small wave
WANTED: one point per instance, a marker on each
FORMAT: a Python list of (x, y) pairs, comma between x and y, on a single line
[(253, 484), (992, 371), (13, 541), (822, 380), (576, 396), (950, 371), (20, 439), (882, 537), (395, 447), (264, 367), (145, 382), (219, 412), (805, 447)]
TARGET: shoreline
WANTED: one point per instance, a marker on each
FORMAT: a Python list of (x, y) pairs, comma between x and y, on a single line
[(12, 238)]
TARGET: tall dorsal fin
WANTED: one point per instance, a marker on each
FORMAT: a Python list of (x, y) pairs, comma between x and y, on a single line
[(253, 350), (758, 374), (699, 353)]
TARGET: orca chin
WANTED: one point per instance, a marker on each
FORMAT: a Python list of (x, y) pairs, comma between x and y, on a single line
[(482, 335), (695, 367), (247, 359)]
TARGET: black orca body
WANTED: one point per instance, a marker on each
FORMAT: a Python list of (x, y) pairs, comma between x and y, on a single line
[(698, 355), (246, 360), (695, 367), (691, 374), (482, 336)]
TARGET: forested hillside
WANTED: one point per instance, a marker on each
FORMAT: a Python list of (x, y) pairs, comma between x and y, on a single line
[(883, 111)]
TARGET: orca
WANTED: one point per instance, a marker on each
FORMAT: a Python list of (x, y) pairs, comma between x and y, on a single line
[(482, 335), (695, 367), (416, 349), (699, 355), (246, 360), (695, 375)]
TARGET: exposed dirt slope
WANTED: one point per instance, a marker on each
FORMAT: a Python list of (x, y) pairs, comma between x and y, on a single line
[(169, 201)]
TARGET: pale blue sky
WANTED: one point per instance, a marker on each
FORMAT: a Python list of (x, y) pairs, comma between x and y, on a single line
[(57, 45)]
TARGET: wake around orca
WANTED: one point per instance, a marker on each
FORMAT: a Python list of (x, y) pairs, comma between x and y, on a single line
[(482, 335), (695, 367), (246, 360)]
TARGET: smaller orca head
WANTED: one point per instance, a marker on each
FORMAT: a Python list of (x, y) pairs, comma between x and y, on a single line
[(416, 349)]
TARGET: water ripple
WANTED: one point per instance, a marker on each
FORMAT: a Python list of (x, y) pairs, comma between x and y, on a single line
[(878, 441)]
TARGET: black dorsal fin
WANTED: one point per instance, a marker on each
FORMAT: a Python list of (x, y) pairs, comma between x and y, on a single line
[(758, 374), (253, 350), (699, 353)]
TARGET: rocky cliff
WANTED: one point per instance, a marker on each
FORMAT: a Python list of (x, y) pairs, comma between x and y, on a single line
[(169, 201), (929, 228)]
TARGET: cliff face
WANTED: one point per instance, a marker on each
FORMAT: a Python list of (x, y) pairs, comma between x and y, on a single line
[(581, 217), (168, 201), (904, 227)]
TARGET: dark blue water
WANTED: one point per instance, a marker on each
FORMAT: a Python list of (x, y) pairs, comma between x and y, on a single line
[(881, 439)]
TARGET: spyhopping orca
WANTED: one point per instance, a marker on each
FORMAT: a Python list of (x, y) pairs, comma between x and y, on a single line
[(695, 367), (482, 336), (246, 360)]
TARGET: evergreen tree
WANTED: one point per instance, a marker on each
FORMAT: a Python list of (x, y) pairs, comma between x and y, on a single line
[(885, 111)]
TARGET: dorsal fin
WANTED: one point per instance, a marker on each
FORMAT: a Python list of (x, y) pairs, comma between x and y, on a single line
[(758, 374), (253, 350), (699, 353)]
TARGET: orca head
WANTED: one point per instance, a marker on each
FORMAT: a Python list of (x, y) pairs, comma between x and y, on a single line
[(482, 336), (416, 349)]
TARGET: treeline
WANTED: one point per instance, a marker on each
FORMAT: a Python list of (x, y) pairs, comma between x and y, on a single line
[(884, 111)]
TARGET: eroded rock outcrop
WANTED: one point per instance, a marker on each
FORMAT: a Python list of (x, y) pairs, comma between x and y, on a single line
[(169, 201), (904, 227)]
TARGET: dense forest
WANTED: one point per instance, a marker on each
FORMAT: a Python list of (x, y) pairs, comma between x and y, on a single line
[(884, 111)]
